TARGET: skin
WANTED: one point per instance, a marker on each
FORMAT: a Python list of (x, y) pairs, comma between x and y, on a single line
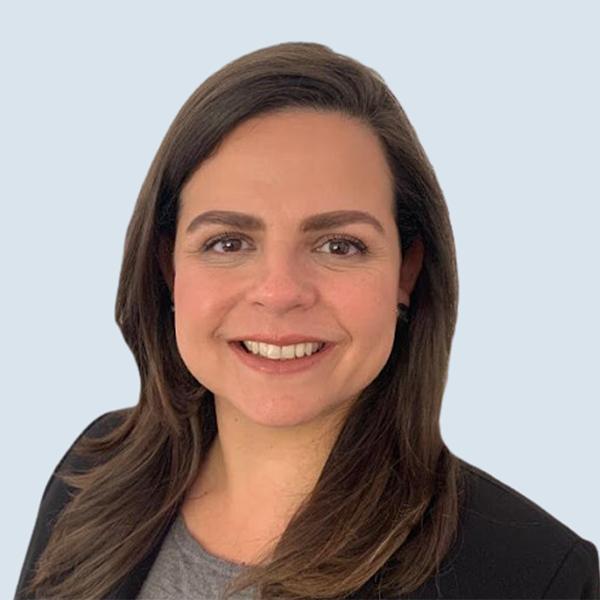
[(275, 432)]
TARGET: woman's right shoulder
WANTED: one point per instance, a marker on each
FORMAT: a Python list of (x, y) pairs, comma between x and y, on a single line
[(57, 493), (105, 423), (99, 427)]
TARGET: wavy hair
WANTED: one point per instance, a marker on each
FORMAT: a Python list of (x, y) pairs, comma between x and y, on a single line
[(386, 507)]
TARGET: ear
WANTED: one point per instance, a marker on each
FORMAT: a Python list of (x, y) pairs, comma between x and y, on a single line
[(165, 260), (412, 262)]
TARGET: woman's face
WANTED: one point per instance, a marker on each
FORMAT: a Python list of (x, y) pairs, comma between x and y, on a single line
[(274, 278)]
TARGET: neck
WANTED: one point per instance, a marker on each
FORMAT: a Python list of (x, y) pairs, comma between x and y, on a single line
[(263, 473)]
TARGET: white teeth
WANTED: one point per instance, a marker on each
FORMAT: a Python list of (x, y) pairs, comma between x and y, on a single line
[(282, 352)]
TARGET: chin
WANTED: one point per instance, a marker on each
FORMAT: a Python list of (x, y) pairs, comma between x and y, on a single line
[(277, 411)]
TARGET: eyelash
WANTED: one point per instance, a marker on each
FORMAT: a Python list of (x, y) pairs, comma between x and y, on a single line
[(360, 246)]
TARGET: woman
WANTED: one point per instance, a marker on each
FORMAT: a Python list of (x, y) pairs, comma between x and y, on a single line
[(289, 291)]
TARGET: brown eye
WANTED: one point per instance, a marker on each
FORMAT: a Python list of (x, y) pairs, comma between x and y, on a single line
[(345, 242), (230, 241)]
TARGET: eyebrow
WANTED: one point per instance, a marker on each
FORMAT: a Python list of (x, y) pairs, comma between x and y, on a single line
[(319, 222)]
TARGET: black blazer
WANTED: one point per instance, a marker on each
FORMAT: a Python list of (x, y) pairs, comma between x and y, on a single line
[(508, 546)]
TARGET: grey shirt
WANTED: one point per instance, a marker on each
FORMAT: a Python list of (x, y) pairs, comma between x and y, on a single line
[(184, 569)]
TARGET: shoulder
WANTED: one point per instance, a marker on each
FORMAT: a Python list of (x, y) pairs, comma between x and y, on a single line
[(492, 502), (509, 546), (57, 494), (99, 427)]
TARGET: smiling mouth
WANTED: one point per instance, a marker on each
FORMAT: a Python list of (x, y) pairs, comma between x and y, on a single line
[(259, 355)]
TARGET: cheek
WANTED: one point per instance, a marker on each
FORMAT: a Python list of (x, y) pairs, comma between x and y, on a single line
[(368, 304), (195, 307), (196, 293), (369, 311), (197, 316)]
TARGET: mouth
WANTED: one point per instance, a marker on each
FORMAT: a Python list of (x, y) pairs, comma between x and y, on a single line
[(283, 366), (320, 347)]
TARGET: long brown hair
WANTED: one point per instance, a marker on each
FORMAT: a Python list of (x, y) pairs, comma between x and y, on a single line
[(386, 507)]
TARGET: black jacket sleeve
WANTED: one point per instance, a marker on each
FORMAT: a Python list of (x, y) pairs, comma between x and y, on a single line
[(577, 576), (55, 497)]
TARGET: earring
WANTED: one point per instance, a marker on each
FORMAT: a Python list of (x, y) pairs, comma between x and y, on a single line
[(402, 312), (172, 308)]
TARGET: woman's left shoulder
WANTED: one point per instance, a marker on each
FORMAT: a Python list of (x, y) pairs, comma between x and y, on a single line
[(509, 544)]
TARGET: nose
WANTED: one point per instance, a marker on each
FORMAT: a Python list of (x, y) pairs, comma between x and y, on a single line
[(282, 282)]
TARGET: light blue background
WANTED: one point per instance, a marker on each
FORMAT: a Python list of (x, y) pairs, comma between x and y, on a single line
[(505, 99)]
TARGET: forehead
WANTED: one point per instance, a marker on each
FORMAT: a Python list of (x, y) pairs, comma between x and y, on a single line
[(291, 160)]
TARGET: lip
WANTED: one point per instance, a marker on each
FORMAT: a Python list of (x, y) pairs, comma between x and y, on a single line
[(285, 340), (281, 367)]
